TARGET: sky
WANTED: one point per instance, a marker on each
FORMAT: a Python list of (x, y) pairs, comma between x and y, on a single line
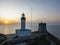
[(42, 11)]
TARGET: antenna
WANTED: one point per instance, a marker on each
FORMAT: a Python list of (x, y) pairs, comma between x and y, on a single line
[(31, 18)]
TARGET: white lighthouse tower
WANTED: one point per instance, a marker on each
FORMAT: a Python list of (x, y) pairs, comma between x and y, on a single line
[(23, 32), (23, 21)]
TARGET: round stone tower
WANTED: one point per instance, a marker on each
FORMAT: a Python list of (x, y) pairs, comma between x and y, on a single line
[(42, 29)]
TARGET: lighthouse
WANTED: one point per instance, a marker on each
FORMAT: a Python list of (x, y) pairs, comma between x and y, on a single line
[(23, 32), (23, 21)]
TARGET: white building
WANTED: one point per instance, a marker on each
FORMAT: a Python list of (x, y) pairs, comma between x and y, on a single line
[(23, 32)]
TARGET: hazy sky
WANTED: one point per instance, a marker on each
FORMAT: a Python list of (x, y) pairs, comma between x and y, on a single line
[(42, 10)]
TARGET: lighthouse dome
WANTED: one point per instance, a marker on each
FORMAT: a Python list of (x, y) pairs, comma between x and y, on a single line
[(23, 16)]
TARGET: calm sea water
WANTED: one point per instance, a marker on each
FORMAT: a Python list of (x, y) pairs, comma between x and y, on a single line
[(53, 29)]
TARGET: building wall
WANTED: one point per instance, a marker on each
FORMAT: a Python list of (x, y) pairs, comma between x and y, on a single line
[(22, 33)]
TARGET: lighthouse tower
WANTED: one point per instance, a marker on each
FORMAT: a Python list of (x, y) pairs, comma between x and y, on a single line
[(23, 21), (23, 32)]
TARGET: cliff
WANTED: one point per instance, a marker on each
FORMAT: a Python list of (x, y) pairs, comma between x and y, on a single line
[(46, 40)]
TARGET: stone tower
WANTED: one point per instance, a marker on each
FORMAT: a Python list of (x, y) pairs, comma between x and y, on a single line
[(42, 29)]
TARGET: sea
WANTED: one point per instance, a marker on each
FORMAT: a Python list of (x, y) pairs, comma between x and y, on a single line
[(11, 28)]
